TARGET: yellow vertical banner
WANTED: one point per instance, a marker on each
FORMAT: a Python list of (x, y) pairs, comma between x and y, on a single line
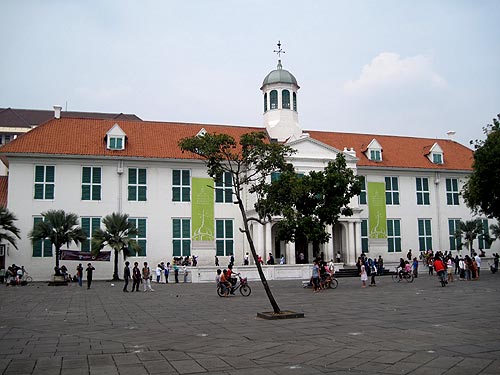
[(377, 210), (202, 209)]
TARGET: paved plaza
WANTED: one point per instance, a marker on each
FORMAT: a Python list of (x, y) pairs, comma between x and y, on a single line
[(418, 328)]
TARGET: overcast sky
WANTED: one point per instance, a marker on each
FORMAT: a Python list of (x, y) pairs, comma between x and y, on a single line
[(417, 68)]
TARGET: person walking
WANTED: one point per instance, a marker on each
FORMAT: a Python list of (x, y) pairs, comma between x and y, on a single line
[(136, 277), (216, 261), (89, 270), (167, 272), (477, 258), (146, 277), (449, 268), (364, 275), (79, 274), (126, 276), (246, 260), (176, 273), (415, 267), (158, 273), (315, 276), (373, 274)]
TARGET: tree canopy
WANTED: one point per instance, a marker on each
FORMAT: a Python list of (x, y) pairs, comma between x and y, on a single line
[(482, 190), (8, 230)]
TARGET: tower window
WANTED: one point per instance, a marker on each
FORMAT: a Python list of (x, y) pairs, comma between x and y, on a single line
[(295, 101), (285, 99), (273, 96), (265, 102)]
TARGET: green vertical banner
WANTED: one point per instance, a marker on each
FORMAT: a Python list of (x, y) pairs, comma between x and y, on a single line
[(377, 210), (202, 209)]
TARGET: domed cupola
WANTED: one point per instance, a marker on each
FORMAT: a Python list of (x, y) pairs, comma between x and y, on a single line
[(280, 103)]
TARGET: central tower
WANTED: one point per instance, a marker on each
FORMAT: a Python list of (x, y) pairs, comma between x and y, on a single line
[(280, 103)]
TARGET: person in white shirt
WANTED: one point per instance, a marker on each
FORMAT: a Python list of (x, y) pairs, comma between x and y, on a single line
[(477, 258)]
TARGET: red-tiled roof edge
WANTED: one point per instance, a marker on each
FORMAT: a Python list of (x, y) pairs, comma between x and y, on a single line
[(4, 188)]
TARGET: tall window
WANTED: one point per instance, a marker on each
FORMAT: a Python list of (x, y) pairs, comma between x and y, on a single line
[(181, 235), (41, 248), (364, 236), (224, 189), (141, 238), (295, 101), (137, 184), (285, 99), (89, 226), (394, 235), (452, 191), (422, 191), (91, 183), (362, 195), (44, 181), (181, 185), (265, 102), (273, 98), (224, 240), (455, 243), (424, 234), (482, 238), (391, 191)]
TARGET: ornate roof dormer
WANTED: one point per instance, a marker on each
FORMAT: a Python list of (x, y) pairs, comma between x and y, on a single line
[(115, 138)]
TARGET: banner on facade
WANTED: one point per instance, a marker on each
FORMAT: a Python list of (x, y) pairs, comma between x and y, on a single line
[(202, 209), (377, 210), (84, 256)]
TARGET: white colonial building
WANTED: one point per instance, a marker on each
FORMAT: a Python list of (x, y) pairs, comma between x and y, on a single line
[(94, 167)]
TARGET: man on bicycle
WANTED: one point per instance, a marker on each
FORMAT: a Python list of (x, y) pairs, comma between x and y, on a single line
[(440, 268)]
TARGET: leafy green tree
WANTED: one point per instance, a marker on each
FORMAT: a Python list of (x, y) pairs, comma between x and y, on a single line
[(308, 203), (59, 228), (250, 163), (116, 235), (8, 230), (481, 192), (468, 231)]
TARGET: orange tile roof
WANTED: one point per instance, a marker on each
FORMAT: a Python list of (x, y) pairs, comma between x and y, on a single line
[(147, 139), (400, 152), (4, 184)]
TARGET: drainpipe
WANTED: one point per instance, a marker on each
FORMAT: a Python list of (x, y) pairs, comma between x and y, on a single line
[(437, 180), (119, 172)]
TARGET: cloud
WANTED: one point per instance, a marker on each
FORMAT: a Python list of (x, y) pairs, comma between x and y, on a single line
[(388, 71)]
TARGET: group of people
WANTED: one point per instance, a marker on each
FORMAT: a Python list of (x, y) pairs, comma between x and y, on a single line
[(369, 267), (226, 280), (466, 267), (14, 275), (322, 274), (144, 275)]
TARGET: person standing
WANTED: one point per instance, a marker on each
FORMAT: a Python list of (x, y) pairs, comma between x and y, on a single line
[(186, 273), (216, 261), (338, 257), (89, 270), (79, 274), (167, 272), (380, 265), (477, 258), (430, 263), (315, 277), (136, 277), (146, 277), (364, 275), (246, 260), (176, 273), (415, 267), (373, 273), (126, 276), (158, 273), (449, 268)]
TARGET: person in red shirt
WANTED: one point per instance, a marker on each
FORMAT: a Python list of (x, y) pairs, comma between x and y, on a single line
[(440, 269)]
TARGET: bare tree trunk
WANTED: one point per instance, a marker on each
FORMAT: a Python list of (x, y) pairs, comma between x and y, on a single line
[(274, 304), (115, 268)]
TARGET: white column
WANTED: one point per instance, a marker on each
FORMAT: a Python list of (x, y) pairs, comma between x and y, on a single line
[(351, 244), (290, 253), (329, 244), (269, 240), (260, 241)]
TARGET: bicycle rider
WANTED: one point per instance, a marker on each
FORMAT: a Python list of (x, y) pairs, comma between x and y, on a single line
[(401, 268)]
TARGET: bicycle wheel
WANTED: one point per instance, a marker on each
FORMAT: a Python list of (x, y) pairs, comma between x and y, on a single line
[(334, 284), (395, 278), (29, 279), (245, 290), (220, 292), (409, 278)]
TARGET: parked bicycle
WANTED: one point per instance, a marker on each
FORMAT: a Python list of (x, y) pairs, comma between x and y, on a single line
[(241, 284), (397, 276), (326, 283)]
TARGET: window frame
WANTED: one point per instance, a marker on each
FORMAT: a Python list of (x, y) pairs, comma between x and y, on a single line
[(425, 236), (394, 236), (454, 242), (45, 246), (273, 99), (45, 187), (141, 223), (181, 244), (437, 158), (423, 196), (452, 192), (375, 154), (482, 243), (137, 191), (224, 242), (392, 194), (94, 187), (224, 189), (362, 198), (87, 246), (364, 236), (183, 190), (113, 142), (285, 99)]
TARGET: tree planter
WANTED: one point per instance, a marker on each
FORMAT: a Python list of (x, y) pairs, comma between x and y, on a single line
[(58, 280), (286, 314)]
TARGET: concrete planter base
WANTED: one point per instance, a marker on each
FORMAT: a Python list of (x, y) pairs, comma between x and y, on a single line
[(271, 315), (58, 280)]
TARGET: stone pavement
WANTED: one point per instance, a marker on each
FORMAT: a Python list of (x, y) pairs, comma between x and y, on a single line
[(403, 328)]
